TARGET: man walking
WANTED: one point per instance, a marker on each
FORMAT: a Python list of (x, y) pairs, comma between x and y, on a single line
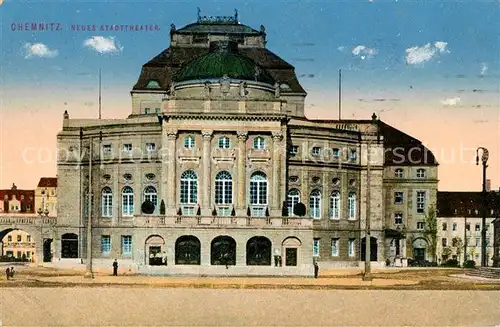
[(316, 269), (115, 268), (7, 273)]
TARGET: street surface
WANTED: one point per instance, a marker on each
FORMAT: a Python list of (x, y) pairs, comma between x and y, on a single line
[(144, 306)]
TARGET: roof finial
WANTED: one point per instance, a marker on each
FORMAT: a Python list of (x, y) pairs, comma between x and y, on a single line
[(199, 12), (236, 15)]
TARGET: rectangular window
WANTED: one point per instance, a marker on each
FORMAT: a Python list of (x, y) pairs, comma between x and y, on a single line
[(420, 201), (467, 226), (454, 227), (445, 226), (420, 225), (150, 147), (9, 238), (127, 245), (127, 147), (294, 150), (478, 241), (19, 238), (444, 241), (335, 152), (353, 155), (158, 110), (477, 228), (399, 173), (350, 247), (224, 211), (398, 197), (28, 238), (106, 148), (316, 247), (105, 244), (420, 173), (316, 151), (335, 247), (398, 218), (258, 212), (147, 111)]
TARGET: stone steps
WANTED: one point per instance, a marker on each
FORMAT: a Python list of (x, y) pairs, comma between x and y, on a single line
[(485, 272)]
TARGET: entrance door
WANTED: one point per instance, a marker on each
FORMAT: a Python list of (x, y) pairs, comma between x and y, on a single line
[(291, 256), (155, 258), (419, 254), (47, 253)]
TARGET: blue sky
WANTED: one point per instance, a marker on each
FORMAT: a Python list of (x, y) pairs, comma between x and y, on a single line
[(431, 61)]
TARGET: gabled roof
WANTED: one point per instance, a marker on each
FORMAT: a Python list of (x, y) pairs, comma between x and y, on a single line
[(47, 182)]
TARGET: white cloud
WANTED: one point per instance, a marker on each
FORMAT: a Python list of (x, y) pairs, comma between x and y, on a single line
[(417, 55), (484, 68), (451, 101), (363, 52), (39, 50), (102, 44), (341, 48)]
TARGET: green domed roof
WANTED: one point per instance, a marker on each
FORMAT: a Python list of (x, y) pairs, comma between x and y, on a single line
[(223, 59)]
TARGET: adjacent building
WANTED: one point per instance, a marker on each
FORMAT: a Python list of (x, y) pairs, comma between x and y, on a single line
[(217, 167), (460, 225), (46, 196)]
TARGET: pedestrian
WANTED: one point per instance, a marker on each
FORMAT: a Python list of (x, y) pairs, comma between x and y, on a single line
[(12, 272), (316, 269), (115, 268), (7, 273)]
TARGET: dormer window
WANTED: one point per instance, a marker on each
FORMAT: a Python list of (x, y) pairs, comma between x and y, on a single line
[(421, 173), (399, 173), (189, 142), (258, 143), (153, 85)]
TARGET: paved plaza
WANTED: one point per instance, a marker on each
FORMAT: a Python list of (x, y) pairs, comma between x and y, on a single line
[(114, 306)]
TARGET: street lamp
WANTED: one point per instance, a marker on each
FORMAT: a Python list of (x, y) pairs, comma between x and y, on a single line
[(484, 160)]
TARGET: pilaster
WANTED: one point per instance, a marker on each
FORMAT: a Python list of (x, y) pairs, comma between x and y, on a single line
[(172, 164), (242, 153), (277, 146), (206, 186)]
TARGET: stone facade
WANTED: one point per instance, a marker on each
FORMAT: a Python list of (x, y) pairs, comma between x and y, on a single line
[(216, 161)]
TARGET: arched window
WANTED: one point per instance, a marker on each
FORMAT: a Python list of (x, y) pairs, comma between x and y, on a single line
[(189, 142), (292, 199), (258, 143), (315, 204), (189, 192), (351, 203), (335, 205), (223, 192), (258, 193), (224, 142), (127, 201), (150, 194), (107, 202)]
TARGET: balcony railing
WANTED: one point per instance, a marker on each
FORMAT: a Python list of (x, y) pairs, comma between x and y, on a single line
[(208, 221)]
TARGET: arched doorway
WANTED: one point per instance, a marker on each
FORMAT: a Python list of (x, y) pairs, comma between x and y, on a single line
[(187, 250), (154, 251), (259, 251), (419, 249), (69, 246), (223, 251), (291, 247), (373, 249)]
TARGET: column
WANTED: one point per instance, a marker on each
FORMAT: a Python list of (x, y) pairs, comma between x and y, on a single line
[(172, 163), (242, 154), (276, 158), (206, 187)]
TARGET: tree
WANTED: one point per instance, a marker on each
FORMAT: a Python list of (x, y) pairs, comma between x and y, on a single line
[(430, 231), (458, 244), (447, 251)]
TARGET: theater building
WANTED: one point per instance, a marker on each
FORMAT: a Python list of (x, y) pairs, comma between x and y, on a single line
[(217, 169)]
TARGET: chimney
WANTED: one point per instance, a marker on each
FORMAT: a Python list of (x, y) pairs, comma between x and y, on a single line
[(488, 185)]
